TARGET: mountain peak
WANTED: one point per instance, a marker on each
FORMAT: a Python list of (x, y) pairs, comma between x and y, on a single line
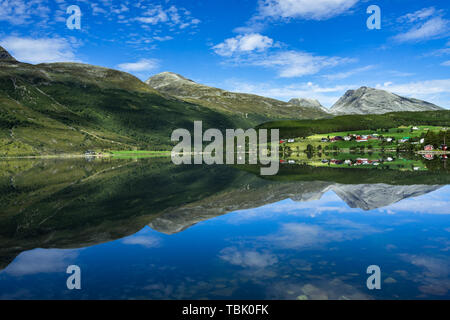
[(167, 78), (308, 103), (5, 56), (366, 100)]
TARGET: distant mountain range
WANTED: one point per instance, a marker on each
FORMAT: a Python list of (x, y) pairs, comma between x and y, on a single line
[(365, 100), (255, 109), (71, 107)]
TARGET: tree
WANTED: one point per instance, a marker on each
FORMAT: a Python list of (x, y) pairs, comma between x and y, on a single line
[(309, 149)]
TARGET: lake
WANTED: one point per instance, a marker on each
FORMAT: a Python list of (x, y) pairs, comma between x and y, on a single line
[(147, 229)]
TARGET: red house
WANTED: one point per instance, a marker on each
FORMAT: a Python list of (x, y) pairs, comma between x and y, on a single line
[(428, 148)]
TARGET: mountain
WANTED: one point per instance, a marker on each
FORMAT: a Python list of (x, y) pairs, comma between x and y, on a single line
[(309, 103), (373, 101), (257, 194), (254, 109), (71, 107), (5, 56)]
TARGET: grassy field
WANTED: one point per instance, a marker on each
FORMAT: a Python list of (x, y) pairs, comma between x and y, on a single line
[(137, 154)]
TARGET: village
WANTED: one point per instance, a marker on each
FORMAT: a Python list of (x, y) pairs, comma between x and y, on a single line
[(417, 138), (376, 148)]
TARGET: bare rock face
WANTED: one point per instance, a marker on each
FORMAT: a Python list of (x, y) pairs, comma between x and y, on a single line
[(308, 103), (5, 56), (373, 101)]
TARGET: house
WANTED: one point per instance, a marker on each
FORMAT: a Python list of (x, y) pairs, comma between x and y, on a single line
[(390, 159), (363, 161), (428, 148), (389, 139), (444, 147), (361, 138), (347, 138), (348, 161), (291, 140), (324, 140), (405, 139), (337, 138), (282, 141), (291, 161), (415, 128)]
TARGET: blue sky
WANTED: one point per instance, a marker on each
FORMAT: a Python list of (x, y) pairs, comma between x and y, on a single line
[(277, 48)]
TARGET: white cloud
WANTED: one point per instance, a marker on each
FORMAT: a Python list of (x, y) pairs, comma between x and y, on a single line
[(40, 50), (41, 261), (243, 43), (440, 52), (248, 258), (165, 38), (346, 74), (446, 63), (418, 15), (21, 12), (172, 16), (302, 235), (304, 9), (146, 241), (139, 66), (430, 29), (297, 63), (419, 87)]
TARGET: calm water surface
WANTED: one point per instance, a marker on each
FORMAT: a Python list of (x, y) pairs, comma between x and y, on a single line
[(149, 230)]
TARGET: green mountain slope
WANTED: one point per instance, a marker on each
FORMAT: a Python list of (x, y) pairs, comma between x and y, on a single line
[(254, 109), (70, 107)]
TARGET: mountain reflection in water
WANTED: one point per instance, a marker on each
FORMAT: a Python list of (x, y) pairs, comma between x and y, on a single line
[(149, 229)]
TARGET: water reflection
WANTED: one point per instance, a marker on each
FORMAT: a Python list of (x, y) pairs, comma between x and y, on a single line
[(147, 229)]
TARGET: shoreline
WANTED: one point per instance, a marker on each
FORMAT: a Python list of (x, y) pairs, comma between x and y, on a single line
[(163, 153), (78, 156)]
